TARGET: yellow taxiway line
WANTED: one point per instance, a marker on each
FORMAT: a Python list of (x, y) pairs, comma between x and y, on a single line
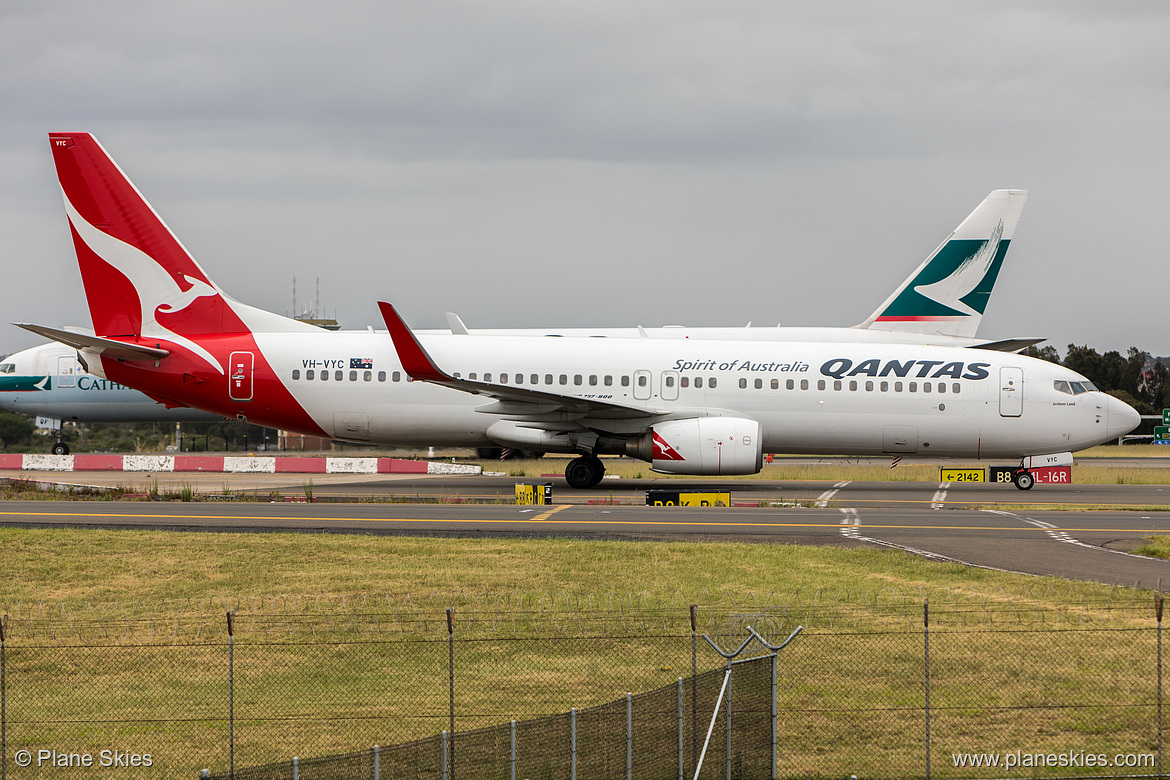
[(546, 518)]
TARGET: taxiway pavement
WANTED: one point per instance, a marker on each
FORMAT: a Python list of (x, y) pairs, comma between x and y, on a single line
[(979, 525)]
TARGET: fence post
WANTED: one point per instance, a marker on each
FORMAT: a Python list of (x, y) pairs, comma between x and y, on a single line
[(1158, 612), (694, 681), (443, 764), (513, 775), (681, 769), (3, 703), (231, 696), (728, 711), (629, 736), (377, 763), (296, 769), (451, 687), (775, 705), (573, 744), (926, 646)]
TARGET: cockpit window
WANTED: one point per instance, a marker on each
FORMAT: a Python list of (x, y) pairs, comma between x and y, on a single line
[(7, 368), (1073, 388)]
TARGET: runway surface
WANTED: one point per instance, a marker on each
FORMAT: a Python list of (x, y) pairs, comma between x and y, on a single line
[(979, 525)]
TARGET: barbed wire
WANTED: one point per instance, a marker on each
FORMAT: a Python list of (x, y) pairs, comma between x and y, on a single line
[(309, 617)]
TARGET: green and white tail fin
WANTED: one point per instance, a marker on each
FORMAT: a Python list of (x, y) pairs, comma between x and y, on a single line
[(948, 293)]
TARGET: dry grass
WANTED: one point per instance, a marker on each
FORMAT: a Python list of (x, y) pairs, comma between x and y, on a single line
[(1128, 451), (1157, 546), (835, 471), (76, 567)]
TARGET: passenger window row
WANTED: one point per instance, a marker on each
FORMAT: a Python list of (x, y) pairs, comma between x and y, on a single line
[(854, 385), (577, 380), (607, 380), (339, 376)]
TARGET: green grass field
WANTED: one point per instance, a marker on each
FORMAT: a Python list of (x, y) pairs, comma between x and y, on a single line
[(341, 642), (116, 638), (79, 567)]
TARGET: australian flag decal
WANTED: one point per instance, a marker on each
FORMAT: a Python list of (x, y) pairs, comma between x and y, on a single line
[(361, 362)]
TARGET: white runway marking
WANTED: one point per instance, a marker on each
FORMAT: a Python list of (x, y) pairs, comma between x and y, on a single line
[(940, 496), (1054, 533), (824, 498), (851, 529)]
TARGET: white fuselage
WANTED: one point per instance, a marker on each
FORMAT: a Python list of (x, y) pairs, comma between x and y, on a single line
[(863, 399)]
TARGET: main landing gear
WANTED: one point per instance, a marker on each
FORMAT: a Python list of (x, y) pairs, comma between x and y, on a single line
[(584, 472)]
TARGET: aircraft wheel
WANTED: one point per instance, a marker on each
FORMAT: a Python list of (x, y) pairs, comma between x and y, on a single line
[(60, 448), (1024, 480), (584, 472)]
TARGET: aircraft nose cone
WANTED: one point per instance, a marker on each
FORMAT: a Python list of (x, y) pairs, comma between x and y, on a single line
[(1121, 418)]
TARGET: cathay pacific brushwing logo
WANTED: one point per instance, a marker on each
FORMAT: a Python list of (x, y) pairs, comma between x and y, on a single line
[(955, 284), (158, 291), (971, 271), (24, 384)]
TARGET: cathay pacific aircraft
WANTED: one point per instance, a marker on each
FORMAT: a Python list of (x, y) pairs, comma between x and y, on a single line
[(47, 382), (942, 302), (692, 406)]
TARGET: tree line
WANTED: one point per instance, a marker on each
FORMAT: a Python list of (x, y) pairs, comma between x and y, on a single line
[(1136, 377)]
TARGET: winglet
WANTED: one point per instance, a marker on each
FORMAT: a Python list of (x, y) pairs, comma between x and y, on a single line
[(456, 325), (415, 360)]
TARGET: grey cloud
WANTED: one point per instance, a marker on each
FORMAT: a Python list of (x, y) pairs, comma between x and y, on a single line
[(616, 153)]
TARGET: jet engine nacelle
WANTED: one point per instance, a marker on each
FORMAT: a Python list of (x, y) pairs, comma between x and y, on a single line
[(703, 445)]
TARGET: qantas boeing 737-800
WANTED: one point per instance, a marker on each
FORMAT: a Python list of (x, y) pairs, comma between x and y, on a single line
[(689, 406)]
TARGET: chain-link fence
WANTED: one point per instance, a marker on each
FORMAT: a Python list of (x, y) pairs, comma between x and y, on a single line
[(585, 687)]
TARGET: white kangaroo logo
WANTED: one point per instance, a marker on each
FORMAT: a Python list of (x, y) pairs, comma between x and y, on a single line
[(157, 290)]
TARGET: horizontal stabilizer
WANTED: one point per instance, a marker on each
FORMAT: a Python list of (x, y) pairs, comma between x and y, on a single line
[(107, 347), (1008, 345)]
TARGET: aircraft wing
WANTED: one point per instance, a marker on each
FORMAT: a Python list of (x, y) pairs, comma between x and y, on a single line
[(512, 402), (107, 347)]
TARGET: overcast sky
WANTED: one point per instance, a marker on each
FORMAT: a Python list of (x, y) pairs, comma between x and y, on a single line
[(530, 163)]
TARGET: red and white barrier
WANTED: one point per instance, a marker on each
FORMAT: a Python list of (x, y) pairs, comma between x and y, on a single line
[(231, 464)]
